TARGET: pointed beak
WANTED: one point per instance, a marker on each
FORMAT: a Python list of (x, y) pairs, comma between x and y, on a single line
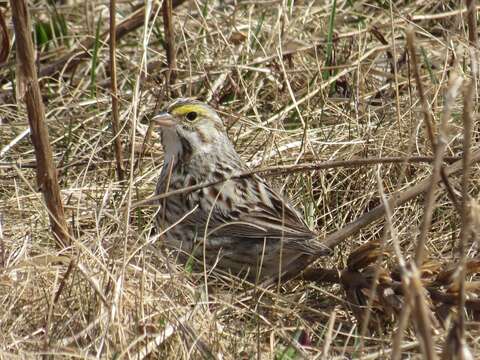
[(164, 119)]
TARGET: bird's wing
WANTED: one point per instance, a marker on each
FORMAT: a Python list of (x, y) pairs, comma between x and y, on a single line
[(249, 208)]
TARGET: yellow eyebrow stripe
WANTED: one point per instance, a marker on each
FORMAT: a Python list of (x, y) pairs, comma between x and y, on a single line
[(185, 109)]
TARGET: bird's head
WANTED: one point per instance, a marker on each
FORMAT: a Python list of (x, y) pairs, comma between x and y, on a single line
[(189, 126)]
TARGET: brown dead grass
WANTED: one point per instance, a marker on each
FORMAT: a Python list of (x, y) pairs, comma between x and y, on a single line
[(260, 64)]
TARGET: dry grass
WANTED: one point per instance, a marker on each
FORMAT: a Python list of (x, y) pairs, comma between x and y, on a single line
[(286, 99)]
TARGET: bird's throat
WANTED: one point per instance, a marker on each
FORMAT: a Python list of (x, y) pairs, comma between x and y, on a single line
[(177, 148)]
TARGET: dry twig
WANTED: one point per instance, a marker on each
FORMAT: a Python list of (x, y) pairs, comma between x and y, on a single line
[(117, 143)]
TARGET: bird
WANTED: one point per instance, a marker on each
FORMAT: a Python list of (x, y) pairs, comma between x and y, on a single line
[(236, 224)]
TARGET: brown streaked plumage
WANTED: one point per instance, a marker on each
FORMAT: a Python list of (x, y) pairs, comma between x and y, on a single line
[(241, 226)]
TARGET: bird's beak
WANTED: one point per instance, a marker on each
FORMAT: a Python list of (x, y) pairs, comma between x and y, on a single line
[(164, 119)]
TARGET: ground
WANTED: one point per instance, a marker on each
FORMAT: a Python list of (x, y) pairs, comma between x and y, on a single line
[(297, 83)]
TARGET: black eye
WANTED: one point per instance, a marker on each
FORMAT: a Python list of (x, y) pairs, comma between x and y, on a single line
[(192, 115)]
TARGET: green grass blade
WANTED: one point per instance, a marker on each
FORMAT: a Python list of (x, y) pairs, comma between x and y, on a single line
[(329, 50), (427, 62), (96, 47), (256, 32)]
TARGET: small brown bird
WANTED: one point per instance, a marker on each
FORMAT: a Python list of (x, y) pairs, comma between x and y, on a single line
[(240, 225)]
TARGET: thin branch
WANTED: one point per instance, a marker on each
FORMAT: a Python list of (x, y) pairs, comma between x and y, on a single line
[(117, 144), (279, 169), (454, 84), (338, 236), (74, 57), (427, 114), (286, 169), (398, 199)]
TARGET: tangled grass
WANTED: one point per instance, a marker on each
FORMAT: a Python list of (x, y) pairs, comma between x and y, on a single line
[(288, 96)]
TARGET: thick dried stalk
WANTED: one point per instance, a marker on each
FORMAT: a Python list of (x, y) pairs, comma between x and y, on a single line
[(4, 40), (472, 22), (398, 335), (169, 41), (422, 315), (438, 145), (466, 224), (46, 172), (438, 172)]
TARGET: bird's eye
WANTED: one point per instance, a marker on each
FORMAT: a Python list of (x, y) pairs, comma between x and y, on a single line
[(192, 115)]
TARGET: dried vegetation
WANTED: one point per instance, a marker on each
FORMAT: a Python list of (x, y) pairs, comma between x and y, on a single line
[(325, 98)]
